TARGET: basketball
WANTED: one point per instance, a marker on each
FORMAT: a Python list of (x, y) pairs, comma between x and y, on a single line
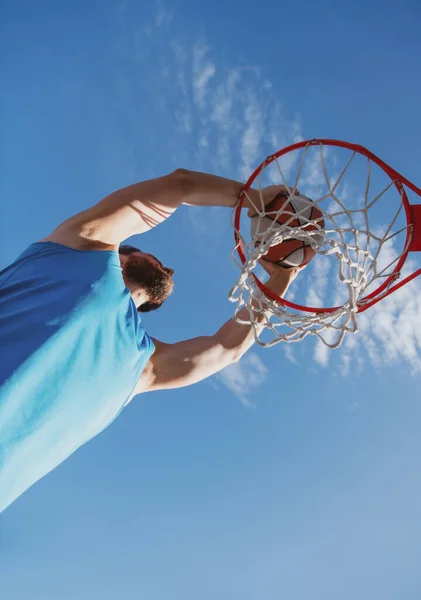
[(290, 252)]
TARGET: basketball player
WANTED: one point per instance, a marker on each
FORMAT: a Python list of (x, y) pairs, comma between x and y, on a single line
[(74, 349)]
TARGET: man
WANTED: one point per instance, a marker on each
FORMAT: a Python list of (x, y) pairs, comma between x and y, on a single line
[(74, 350)]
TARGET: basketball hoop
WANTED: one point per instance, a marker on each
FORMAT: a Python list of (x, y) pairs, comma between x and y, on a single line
[(361, 247)]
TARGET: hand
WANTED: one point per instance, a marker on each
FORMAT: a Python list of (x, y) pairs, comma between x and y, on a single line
[(268, 194), (280, 277)]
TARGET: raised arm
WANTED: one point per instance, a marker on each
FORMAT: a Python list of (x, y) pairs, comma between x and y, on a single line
[(139, 207), (184, 363)]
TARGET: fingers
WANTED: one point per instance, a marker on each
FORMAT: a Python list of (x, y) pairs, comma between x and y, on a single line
[(273, 268), (268, 266), (268, 194)]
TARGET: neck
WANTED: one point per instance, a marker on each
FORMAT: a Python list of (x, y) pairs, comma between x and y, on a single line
[(138, 295)]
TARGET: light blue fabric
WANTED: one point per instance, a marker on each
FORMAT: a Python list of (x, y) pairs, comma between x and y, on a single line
[(72, 348)]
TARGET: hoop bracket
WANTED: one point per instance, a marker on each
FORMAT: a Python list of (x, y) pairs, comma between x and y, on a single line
[(415, 211)]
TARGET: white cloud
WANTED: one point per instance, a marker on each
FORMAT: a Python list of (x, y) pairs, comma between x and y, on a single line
[(224, 98), (252, 136), (238, 119), (203, 139), (389, 333), (244, 377), (203, 71), (222, 124), (163, 15), (223, 118), (180, 57), (319, 277), (321, 354), (232, 126), (289, 353), (312, 174), (184, 121)]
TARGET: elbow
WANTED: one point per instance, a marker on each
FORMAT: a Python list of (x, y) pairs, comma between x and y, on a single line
[(229, 354), (180, 173), (223, 357), (234, 356), (183, 182)]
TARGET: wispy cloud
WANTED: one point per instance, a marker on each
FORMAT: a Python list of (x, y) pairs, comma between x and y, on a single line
[(390, 331), (203, 71), (218, 116), (223, 117), (289, 353), (244, 377), (238, 119), (252, 136), (215, 115), (163, 15)]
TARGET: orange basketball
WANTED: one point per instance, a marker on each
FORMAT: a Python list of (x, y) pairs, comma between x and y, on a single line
[(298, 211)]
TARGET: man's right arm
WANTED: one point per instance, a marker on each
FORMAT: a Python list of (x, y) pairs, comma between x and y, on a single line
[(190, 361)]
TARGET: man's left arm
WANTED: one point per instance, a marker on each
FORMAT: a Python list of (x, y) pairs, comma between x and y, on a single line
[(190, 361), (139, 207)]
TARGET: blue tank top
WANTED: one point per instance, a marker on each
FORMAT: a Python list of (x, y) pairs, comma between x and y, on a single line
[(72, 349)]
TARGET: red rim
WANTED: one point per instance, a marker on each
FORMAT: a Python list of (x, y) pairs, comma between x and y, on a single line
[(397, 179)]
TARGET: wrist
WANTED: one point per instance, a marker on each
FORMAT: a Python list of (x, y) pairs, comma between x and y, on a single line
[(252, 200), (279, 282)]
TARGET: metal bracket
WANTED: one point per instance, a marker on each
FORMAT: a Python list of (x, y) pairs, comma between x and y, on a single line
[(415, 211)]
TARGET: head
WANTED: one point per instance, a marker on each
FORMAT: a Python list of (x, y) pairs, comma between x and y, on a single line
[(149, 282)]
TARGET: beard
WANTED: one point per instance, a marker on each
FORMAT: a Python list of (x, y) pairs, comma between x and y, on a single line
[(156, 282)]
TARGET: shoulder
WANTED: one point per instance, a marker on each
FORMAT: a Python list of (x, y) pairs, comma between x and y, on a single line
[(132, 210)]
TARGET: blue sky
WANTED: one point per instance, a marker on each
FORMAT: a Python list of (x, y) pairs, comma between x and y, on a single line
[(312, 492)]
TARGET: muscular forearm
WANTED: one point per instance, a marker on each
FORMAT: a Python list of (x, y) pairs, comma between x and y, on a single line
[(203, 189), (237, 337)]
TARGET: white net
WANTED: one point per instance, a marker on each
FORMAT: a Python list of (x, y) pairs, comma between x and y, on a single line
[(364, 236)]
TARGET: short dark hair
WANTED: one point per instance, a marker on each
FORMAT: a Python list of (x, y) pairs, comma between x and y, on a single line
[(167, 284), (126, 249)]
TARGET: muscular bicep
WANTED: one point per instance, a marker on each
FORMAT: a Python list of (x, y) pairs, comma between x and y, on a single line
[(183, 364), (126, 212)]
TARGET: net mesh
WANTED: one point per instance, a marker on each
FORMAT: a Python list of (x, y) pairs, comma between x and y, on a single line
[(365, 265)]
